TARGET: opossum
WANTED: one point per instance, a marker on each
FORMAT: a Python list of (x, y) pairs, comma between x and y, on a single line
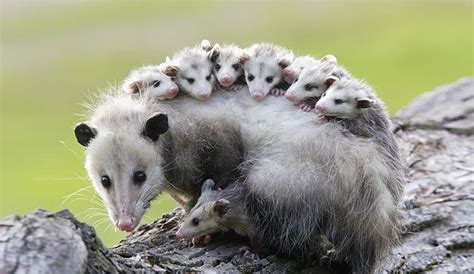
[(216, 211), (354, 105), (228, 66), (313, 80), (292, 72), (193, 70), (263, 69), (304, 179), (151, 81), (134, 152)]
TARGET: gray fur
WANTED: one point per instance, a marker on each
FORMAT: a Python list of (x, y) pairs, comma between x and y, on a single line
[(303, 178)]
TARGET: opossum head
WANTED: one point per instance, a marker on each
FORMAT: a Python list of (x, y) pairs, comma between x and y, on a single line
[(228, 63), (291, 72), (194, 72), (206, 216), (263, 68), (346, 99), (313, 81), (151, 81), (123, 160)]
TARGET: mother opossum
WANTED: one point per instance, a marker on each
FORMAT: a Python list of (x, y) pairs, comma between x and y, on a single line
[(303, 178)]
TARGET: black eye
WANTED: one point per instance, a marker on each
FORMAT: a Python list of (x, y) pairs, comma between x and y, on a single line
[(324, 94), (105, 180), (308, 87), (139, 177), (155, 83), (217, 67), (337, 101), (208, 78), (190, 80), (296, 79), (250, 77), (236, 66), (195, 221), (269, 79)]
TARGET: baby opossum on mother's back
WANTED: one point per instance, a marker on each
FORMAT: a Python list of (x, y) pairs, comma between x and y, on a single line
[(354, 105), (313, 80), (152, 81), (263, 69), (228, 66), (194, 68)]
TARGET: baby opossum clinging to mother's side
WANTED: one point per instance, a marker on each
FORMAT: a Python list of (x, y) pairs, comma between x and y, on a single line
[(217, 210)]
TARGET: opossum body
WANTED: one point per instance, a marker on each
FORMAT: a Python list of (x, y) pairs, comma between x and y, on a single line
[(216, 211), (304, 179), (228, 66), (193, 70), (354, 105), (263, 68), (151, 81)]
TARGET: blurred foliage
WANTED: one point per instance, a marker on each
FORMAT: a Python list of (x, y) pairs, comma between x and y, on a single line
[(55, 54)]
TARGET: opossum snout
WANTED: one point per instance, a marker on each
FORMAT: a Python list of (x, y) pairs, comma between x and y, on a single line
[(204, 95), (226, 80), (288, 72), (319, 108), (290, 97), (257, 95), (125, 223), (173, 90)]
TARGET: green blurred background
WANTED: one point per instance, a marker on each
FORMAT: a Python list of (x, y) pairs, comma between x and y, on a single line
[(55, 54)]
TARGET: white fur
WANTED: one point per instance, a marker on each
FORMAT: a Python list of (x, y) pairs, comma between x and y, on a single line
[(263, 63), (229, 63), (148, 76), (194, 75), (298, 64)]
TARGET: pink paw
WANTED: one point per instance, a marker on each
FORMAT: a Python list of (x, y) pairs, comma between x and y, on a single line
[(237, 87), (247, 253), (201, 240)]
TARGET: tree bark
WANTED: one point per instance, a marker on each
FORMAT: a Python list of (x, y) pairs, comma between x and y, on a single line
[(436, 134)]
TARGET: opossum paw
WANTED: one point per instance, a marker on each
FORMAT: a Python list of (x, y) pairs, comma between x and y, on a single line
[(201, 240), (237, 87), (246, 252)]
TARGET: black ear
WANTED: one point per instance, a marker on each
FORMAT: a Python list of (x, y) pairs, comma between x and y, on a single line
[(156, 125), (207, 185), (330, 80), (214, 53), (84, 134), (364, 103), (221, 207)]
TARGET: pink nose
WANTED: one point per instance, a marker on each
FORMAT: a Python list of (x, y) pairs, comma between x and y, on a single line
[(204, 95), (173, 89), (289, 97), (257, 95), (288, 72), (125, 223), (319, 108), (226, 80)]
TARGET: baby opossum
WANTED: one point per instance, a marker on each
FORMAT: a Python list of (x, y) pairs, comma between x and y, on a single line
[(263, 69), (314, 80), (193, 69), (292, 72), (228, 66), (217, 210), (354, 105), (151, 81)]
